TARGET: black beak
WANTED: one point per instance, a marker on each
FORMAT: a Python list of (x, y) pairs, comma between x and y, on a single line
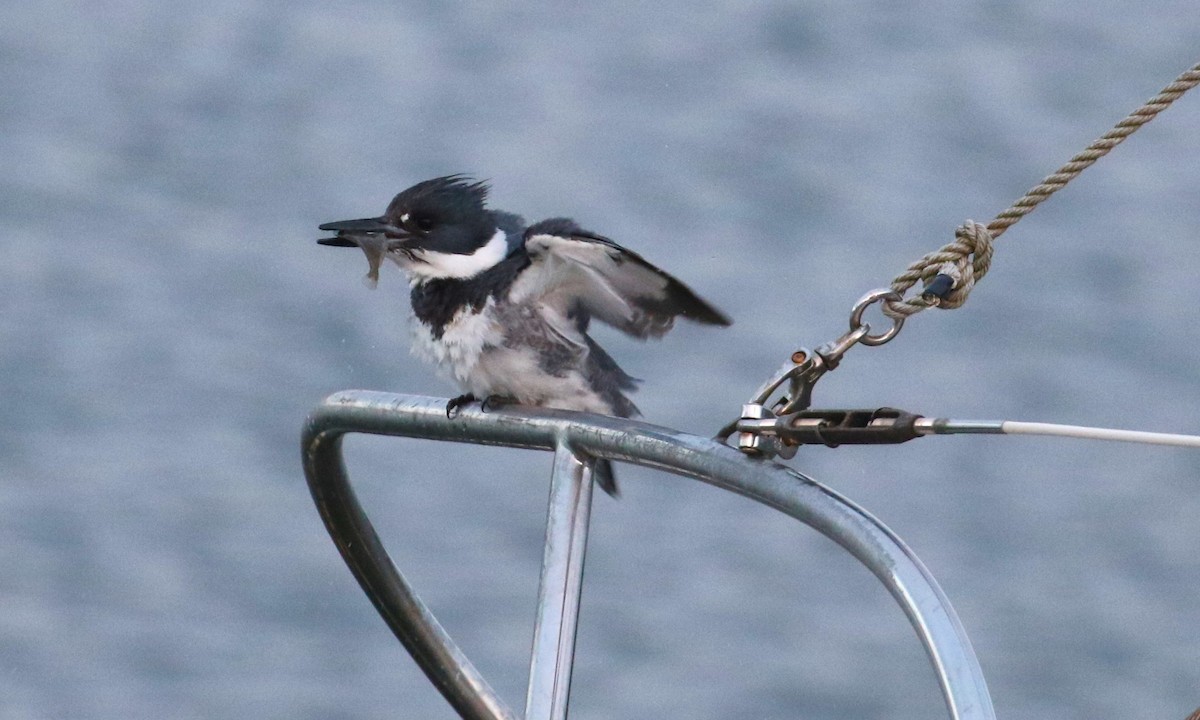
[(338, 241), (366, 226)]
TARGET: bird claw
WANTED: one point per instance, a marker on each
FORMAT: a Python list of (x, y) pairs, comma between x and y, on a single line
[(455, 403), (495, 402)]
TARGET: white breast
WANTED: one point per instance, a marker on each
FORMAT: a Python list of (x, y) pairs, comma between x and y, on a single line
[(456, 353)]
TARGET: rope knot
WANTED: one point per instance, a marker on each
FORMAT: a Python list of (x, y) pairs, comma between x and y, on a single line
[(964, 261)]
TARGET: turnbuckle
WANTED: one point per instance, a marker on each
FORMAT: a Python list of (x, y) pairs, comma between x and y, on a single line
[(880, 426)]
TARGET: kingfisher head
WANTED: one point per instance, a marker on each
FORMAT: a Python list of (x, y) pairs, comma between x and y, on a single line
[(439, 228)]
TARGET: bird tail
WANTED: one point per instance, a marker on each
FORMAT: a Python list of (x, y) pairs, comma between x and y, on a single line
[(603, 474)]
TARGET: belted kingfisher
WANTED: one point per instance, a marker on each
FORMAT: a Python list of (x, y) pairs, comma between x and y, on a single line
[(503, 308)]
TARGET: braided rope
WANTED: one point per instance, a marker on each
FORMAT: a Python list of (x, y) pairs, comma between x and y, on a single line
[(967, 259)]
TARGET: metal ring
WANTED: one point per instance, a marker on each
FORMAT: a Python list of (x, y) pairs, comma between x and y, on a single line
[(856, 316)]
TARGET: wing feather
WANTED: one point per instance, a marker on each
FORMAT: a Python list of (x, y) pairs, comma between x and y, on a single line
[(584, 275)]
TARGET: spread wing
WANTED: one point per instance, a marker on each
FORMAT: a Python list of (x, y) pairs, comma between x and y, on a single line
[(584, 276)]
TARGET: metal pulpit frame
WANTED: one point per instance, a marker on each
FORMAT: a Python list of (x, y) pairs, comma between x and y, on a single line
[(576, 439)]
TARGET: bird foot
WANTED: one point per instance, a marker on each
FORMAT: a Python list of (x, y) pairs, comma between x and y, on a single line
[(455, 403), (489, 403), (495, 402)]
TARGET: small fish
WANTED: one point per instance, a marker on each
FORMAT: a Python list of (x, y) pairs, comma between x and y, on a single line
[(374, 246)]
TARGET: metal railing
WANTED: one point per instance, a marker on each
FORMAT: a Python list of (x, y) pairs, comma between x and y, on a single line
[(576, 439)]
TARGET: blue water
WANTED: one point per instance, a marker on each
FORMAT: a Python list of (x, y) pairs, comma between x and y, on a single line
[(168, 321)]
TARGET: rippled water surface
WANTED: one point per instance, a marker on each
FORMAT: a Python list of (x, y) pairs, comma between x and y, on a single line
[(168, 321)]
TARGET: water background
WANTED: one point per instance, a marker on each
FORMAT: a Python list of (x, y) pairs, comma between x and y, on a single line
[(167, 321)]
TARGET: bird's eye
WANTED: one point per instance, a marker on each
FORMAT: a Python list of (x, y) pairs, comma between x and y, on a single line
[(423, 222)]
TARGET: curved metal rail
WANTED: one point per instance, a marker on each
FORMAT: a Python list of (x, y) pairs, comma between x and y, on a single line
[(576, 439)]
